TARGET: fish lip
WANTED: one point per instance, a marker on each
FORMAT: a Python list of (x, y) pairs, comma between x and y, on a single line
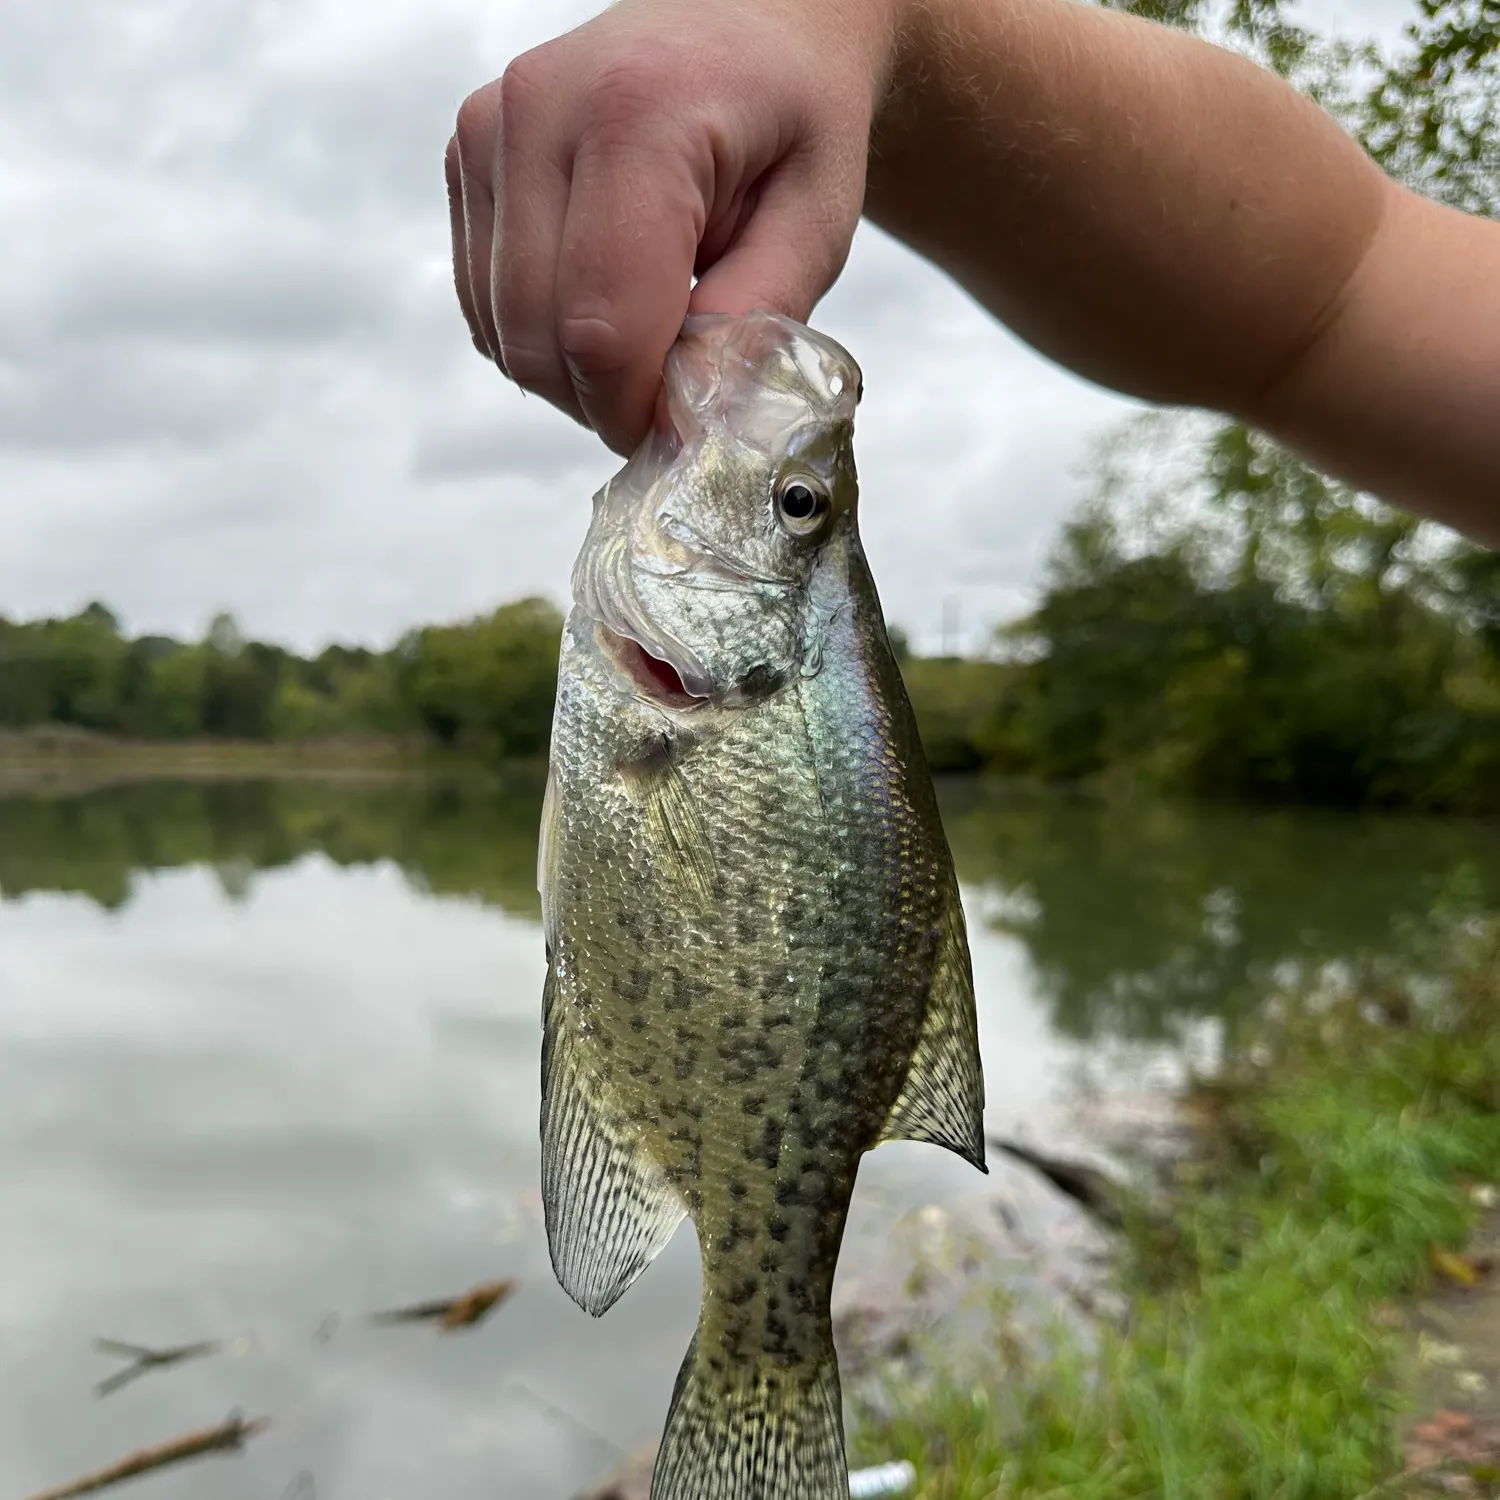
[(640, 662), (619, 618)]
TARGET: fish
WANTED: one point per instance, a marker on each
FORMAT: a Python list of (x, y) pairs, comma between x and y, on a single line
[(757, 964)]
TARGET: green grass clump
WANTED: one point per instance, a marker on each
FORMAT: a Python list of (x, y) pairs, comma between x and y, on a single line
[(1252, 1364)]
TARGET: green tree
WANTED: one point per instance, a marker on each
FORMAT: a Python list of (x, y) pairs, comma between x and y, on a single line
[(1333, 670), (26, 694), (240, 683), (169, 705), (489, 683)]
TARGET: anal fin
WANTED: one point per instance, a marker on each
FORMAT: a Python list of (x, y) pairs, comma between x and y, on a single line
[(609, 1210), (942, 1100)]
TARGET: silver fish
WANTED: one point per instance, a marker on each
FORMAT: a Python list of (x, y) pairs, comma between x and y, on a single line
[(757, 961)]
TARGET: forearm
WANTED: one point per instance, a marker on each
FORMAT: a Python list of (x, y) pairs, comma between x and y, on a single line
[(1158, 214), (1170, 220), (1401, 392)]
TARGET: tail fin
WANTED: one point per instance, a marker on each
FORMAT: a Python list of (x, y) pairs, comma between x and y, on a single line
[(758, 1432)]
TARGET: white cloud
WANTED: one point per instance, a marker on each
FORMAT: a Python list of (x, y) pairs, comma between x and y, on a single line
[(232, 372)]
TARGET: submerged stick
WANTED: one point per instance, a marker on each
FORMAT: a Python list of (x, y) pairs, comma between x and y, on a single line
[(144, 1359), (452, 1312), (229, 1436), (1087, 1186)]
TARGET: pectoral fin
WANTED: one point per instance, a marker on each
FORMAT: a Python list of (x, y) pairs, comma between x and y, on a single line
[(674, 826), (942, 1100), (609, 1210), (546, 856)]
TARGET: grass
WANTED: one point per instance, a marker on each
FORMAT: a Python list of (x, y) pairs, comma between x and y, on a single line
[(65, 756), (1256, 1361)]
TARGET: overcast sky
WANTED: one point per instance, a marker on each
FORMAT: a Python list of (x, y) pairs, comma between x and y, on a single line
[(232, 372)]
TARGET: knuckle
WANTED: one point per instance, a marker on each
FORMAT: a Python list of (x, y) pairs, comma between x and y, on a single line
[(474, 130), (525, 84), (593, 344), (528, 365), (636, 81)]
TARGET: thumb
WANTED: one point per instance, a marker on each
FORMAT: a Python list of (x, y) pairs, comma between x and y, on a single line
[(791, 246)]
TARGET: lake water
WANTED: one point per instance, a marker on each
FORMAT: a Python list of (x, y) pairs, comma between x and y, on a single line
[(269, 1062)]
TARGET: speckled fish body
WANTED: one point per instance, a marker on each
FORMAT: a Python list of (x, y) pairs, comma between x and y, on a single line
[(757, 959)]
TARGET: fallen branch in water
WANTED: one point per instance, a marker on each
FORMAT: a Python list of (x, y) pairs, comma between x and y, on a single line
[(452, 1312), (143, 1359), (1093, 1190), (229, 1436)]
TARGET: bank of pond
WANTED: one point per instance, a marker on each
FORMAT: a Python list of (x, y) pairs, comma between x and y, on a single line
[(1341, 1158), (1144, 673)]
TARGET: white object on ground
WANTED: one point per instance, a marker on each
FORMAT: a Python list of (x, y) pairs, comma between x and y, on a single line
[(887, 1479)]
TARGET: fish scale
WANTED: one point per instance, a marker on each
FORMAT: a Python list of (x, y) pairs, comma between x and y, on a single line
[(757, 966)]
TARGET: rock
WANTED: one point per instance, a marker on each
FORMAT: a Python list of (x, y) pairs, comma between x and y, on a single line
[(631, 1481)]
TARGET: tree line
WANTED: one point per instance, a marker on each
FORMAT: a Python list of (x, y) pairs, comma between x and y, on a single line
[(1301, 648), (484, 685)]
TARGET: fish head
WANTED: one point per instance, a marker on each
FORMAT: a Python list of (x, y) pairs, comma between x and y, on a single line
[(699, 567)]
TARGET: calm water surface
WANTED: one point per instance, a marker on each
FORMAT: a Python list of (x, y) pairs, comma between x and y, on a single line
[(269, 1062)]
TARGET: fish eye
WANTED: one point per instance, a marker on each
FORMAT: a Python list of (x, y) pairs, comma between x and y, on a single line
[(801, 504)]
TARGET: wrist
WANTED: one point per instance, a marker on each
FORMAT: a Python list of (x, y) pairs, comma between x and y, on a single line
[(916, 48), (886, 26), (873, 28)]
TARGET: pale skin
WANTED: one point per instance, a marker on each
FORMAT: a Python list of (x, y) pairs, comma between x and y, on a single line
[(1153, 212)]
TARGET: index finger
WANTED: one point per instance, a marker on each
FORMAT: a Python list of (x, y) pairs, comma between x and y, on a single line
[(458, 228)]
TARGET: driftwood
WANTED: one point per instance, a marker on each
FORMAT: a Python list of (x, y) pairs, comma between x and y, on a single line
[(229, 1436), (452, 1312), (143, 1360), (1087, 1186)]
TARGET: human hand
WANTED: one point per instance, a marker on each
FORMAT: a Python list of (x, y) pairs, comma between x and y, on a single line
[(664, 138)]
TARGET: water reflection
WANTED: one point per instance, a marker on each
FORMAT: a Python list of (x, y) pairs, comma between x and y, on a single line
[(269, 1063), (1132, 916), (466, 838)]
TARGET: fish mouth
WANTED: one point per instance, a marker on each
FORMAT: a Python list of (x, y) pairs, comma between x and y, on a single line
[(652, 676)]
